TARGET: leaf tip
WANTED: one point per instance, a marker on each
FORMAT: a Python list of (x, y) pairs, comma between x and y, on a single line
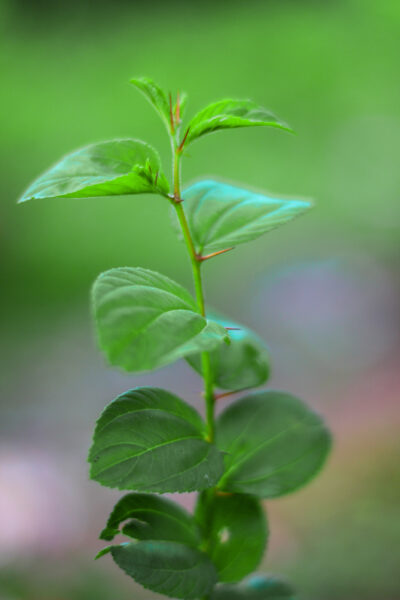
[(103, 551), (108, 534), (24, 198)]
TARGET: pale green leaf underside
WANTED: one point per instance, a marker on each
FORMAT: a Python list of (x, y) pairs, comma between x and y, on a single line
[(257, 587), (238, 533), (228, 114), (151, 517), (244, 363), (168, 568), (105, 169), (145, 320), (150, 440), (155, 95), (274, 444), (222, 215)]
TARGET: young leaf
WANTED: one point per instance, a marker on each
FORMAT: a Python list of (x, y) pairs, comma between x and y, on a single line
[(274, 444), (105, 169), (152, 518), (180, 106), (257, 587), (168, 568), (156, 96), (145, 320), (227, 114), (222, 215), (149, 440), (244, 363), (238, 532)]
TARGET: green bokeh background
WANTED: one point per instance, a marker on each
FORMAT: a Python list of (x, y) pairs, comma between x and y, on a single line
[(323, 290)]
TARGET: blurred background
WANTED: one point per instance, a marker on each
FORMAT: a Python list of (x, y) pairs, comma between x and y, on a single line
[(323, 290)]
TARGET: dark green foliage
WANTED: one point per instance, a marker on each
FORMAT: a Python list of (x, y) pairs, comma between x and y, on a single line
[(151, 517), (244, 363), (148, 440), (238, 533), (274, 444), (168, 568)]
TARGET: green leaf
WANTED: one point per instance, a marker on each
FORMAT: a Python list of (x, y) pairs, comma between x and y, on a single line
[(150, 440), (238, 532), (103, 552), (222, 215), (168, 568), (105, 169), (274, 444), (156, 96), (227, 114), (152, 518), (258, 587), (145, 320), (244, 363)]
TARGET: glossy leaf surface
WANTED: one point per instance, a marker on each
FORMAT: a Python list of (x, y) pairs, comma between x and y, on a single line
[(168, 568), (244, 363), (222, 215), (150, 440), (238, 533), (145, 320), (274, 444), (111, 168), (228, 114), (155, 95), (257, 587), (151, 517)]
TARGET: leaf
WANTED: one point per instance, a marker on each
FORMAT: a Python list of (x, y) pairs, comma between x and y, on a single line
[(145, 320), (274, 444), (152, 518), (150, 440), (238, 532), (105, 169), (244, 363), (167, 568), (183, 98), (258, 587), (103, 552), (222, 215), (156, 96), (227, 114)]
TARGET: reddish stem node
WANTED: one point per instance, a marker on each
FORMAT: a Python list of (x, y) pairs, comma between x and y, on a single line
[(180, 147), (228, 394), (175, 198), (200, 258)]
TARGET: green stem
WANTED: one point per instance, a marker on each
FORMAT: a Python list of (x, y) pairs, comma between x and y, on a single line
[(198, 284), (209, 397)]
